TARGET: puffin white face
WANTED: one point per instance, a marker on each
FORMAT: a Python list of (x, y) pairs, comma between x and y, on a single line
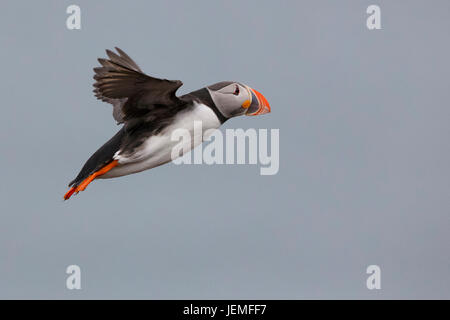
[(235, 99)]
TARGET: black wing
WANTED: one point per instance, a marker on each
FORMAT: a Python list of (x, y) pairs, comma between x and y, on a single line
[(133, 94)]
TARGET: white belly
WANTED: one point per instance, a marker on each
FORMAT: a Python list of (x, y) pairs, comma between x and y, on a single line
[(157, 150)]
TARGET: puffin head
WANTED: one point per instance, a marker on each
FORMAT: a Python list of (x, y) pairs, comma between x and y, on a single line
[(235, 99)]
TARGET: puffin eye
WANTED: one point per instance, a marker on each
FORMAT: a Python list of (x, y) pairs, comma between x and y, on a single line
[(236, 92)]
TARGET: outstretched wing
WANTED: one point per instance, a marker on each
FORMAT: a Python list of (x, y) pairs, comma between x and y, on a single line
[(132, 93)]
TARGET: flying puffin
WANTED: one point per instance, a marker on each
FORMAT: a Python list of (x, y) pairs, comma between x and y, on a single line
[(150, 111)]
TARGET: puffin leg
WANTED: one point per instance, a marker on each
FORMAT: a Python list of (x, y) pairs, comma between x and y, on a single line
[(90, 178), (69, 193)]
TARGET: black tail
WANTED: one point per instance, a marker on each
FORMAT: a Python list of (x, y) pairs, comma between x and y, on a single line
[(99, 159)]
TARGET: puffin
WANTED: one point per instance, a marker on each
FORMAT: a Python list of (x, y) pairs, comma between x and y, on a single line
[(149, 111)]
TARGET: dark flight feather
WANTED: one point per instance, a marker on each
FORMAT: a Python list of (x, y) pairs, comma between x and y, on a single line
[(120, 78)]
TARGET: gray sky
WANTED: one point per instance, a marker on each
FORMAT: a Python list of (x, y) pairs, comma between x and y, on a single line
[(364, 176)]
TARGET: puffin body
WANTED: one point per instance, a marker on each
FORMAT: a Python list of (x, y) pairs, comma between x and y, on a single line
[(157, 149), (150, 112)]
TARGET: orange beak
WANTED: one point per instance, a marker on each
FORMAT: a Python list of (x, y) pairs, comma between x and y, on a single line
[(258, 105)]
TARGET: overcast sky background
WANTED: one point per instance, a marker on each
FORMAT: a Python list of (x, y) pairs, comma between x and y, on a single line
[(364, 153)]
